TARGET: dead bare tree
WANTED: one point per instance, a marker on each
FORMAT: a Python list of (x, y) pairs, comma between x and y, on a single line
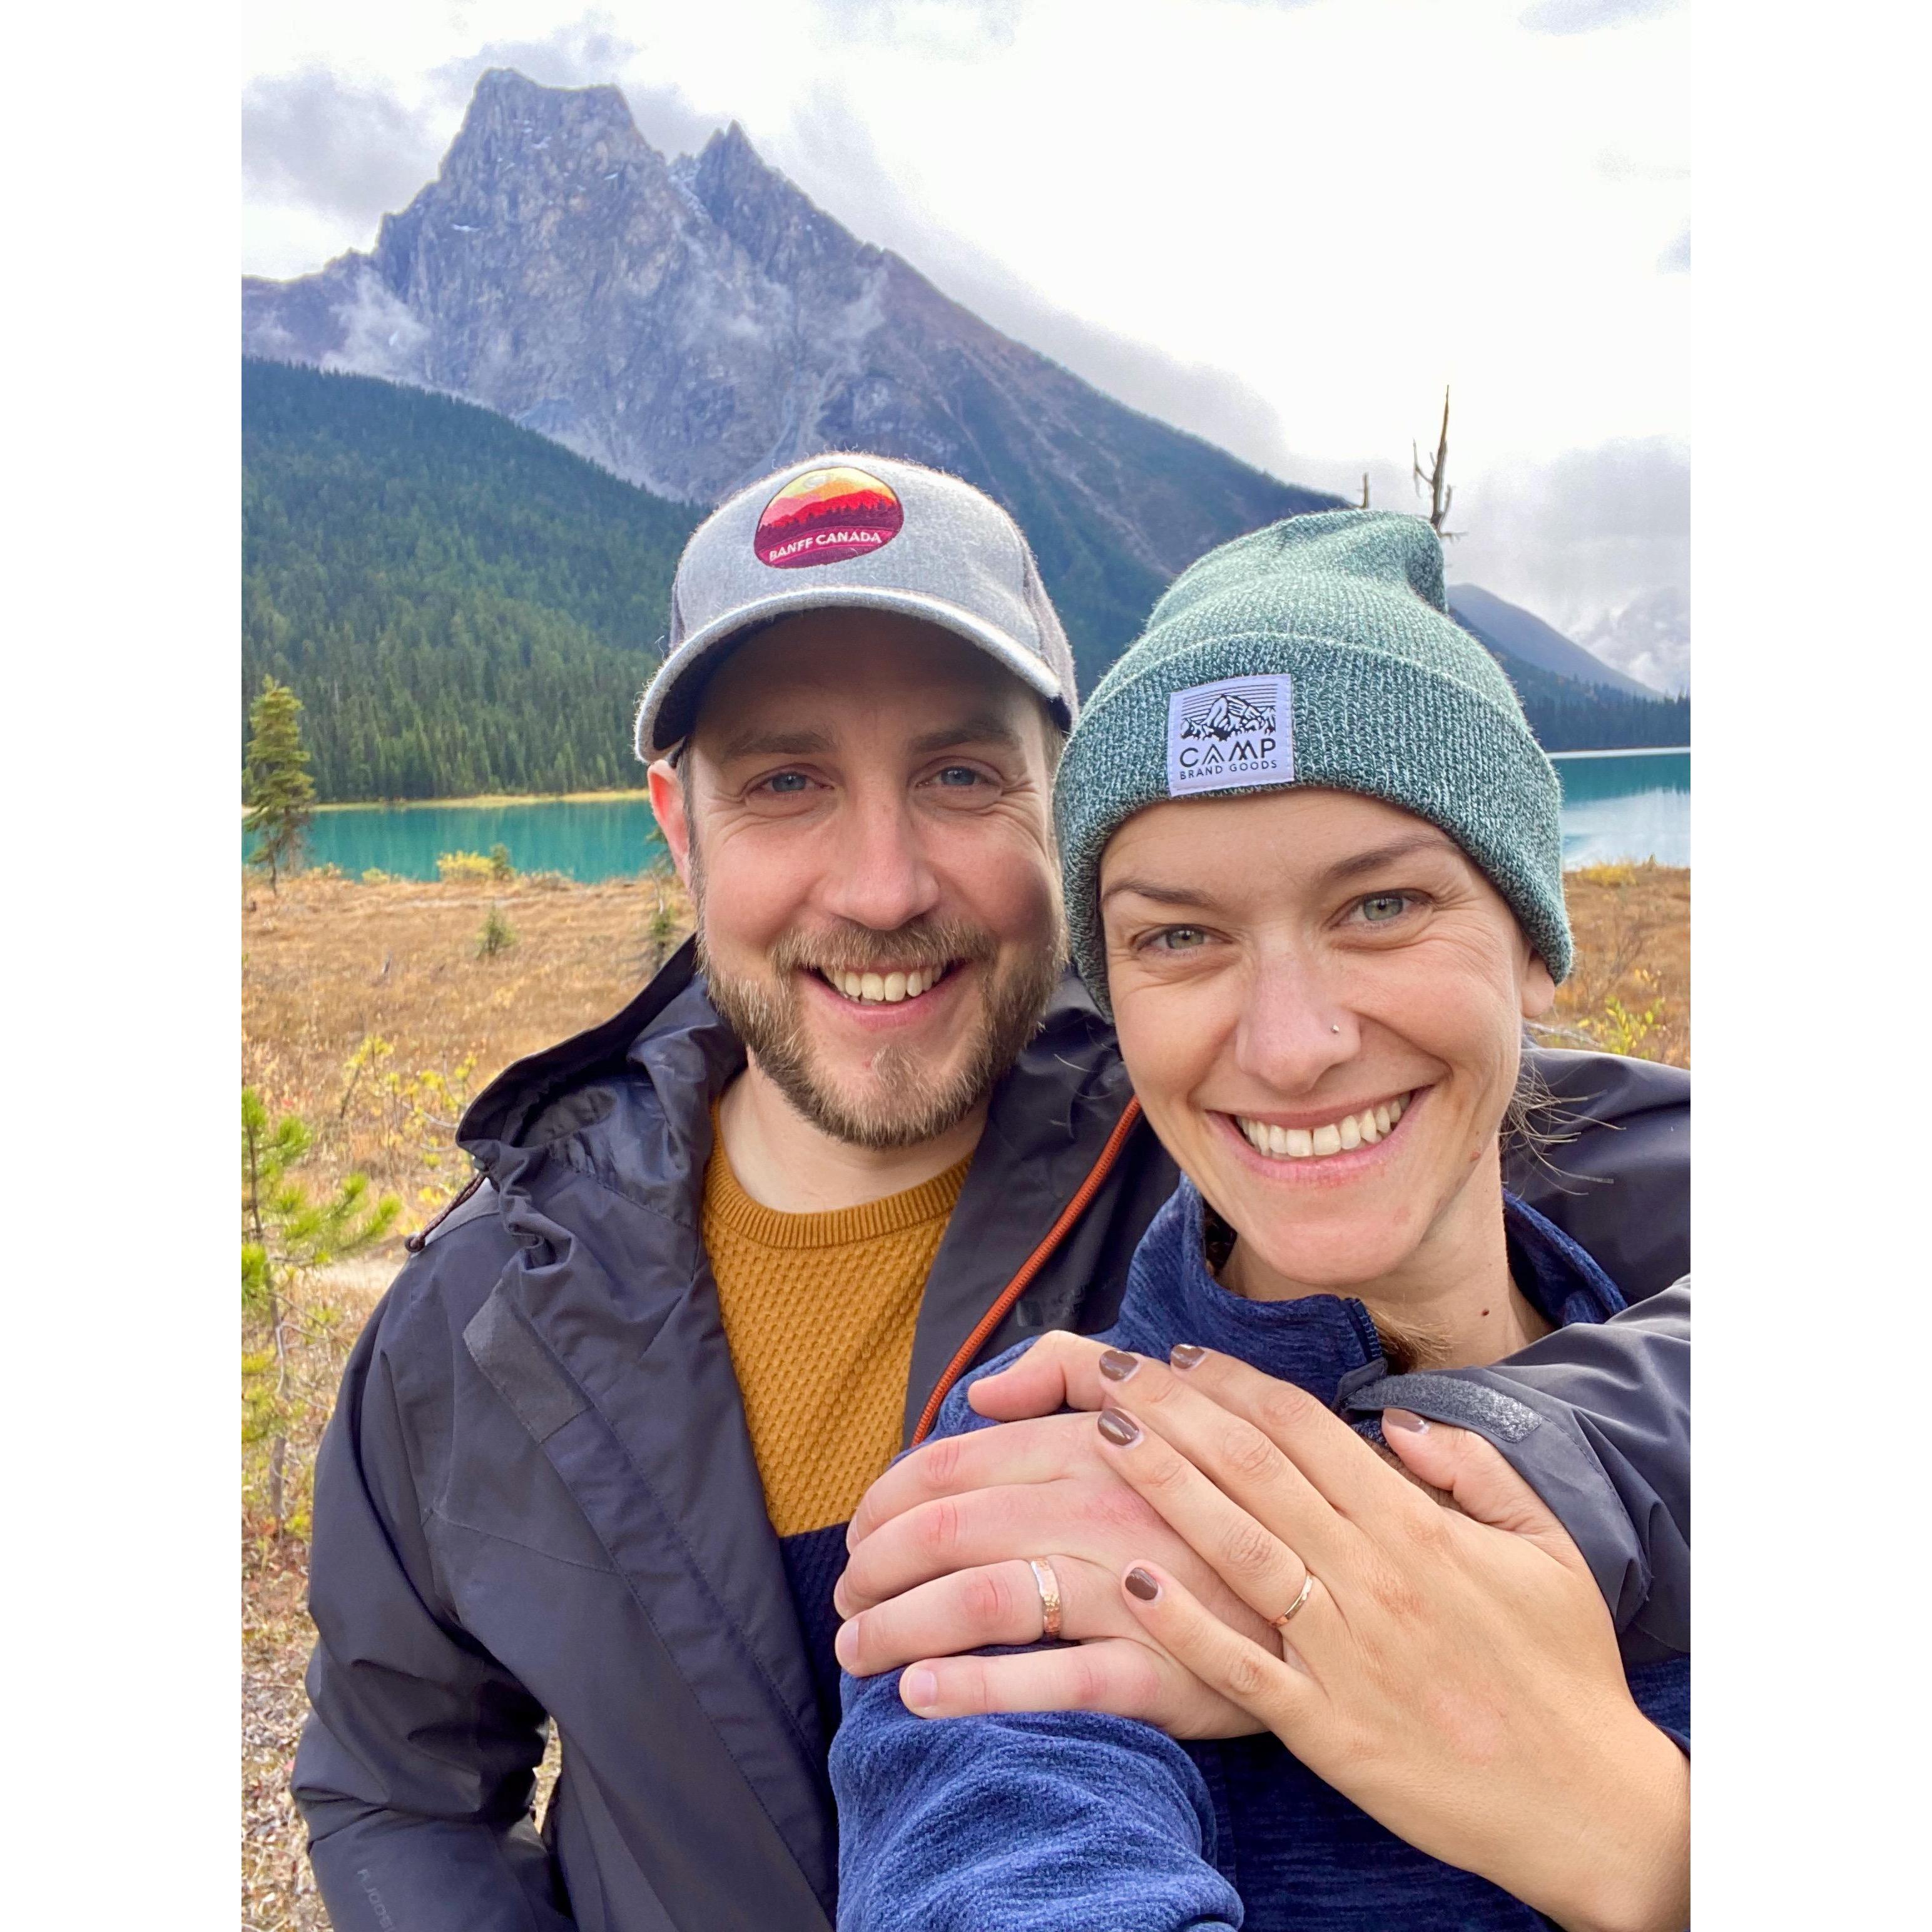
[(1441, 494), (1365, 489)]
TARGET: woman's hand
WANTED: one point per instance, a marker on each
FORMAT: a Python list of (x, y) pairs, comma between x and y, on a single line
[(938, 1566), (1460, 1682)]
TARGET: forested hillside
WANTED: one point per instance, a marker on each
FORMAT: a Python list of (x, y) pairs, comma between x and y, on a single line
[(462, 606), (1567, 714)]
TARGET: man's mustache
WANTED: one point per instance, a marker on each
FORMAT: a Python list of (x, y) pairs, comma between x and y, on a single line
[(852, 948)]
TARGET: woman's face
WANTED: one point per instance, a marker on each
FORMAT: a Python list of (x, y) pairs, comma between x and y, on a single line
[(1320, 1000)]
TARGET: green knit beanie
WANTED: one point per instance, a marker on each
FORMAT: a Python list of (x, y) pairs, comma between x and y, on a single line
[(1317, 651)]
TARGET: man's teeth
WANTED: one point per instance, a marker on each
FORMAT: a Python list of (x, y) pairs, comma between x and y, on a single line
[(889, 987), (1352, 1130)]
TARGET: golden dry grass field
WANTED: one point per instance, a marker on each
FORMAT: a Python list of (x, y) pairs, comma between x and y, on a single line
[(372, 1011)]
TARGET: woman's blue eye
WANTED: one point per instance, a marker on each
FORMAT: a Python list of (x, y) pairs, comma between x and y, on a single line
[(1179, 938), (1383, 907)]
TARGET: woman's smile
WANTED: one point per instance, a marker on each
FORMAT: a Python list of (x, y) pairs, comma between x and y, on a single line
[(1277, 1139)]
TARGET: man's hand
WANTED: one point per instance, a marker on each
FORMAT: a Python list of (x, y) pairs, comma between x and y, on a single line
[(939, 1548)]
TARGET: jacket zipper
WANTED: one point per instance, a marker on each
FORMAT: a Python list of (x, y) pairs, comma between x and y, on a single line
[(1003, 1303)]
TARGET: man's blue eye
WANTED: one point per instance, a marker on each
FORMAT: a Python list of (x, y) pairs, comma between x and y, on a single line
[(959, 774), (789, 781)]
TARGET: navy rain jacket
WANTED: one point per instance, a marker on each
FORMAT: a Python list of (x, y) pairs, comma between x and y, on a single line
[(537, 1497)]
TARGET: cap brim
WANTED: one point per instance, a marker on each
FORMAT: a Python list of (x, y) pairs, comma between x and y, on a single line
[(665, 715)]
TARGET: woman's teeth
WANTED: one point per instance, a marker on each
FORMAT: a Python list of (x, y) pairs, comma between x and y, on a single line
[(1352, 1130), (889, 987)]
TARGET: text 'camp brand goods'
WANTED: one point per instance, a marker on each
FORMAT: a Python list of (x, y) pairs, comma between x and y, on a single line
[(1238, 731)]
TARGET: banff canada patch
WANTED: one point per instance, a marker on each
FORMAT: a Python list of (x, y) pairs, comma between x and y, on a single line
[(826, 516), (1239, 732)]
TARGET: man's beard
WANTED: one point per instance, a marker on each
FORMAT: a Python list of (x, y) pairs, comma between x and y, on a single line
[(902, 1105)]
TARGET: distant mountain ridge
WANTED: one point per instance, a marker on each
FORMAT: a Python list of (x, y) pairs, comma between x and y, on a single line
[(691, 324), (1508, 628)]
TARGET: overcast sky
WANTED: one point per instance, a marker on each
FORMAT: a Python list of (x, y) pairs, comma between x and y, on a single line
[(1284, 224)]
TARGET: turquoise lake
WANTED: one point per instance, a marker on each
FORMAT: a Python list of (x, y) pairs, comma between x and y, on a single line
[(1618, 805)]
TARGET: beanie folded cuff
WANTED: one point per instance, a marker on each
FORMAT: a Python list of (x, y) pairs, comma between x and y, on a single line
[(1363, 722)]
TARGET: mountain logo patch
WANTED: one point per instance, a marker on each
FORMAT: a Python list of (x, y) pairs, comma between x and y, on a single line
[(1240, 731), (825, 517)]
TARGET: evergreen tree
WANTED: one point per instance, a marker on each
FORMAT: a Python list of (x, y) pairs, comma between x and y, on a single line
[(275, 784)]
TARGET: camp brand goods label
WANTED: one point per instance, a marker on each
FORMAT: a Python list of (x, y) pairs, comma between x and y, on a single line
[(1236, 731)]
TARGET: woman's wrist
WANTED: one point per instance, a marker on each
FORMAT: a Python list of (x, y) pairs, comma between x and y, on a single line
[(1636, 1875)]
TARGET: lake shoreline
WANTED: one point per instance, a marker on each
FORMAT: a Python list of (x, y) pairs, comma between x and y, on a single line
[(481, 800), (1617, 805), (626, 794)]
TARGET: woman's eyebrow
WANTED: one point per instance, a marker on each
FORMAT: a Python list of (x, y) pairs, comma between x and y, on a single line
[(1351, 867), (1372, 861), (1167, 896)]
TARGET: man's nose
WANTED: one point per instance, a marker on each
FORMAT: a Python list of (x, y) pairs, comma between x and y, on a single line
[(878, 873), (1296, 1025)]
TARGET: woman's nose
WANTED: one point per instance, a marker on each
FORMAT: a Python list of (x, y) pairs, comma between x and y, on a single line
[(1294, 1028)]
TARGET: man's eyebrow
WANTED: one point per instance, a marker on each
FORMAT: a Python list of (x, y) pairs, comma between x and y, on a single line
[(773, 744), (983, 727)]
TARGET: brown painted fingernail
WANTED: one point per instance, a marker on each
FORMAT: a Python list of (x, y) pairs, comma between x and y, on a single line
[(1119, 1427), (1186, 1355), (1402, 1418), (1117, 1366), (1141, 1584)]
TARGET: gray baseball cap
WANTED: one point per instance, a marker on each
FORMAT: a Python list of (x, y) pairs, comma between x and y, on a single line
[(863, 532)]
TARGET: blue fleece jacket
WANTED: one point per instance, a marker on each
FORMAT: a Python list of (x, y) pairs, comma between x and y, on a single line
[(1072, 1821)]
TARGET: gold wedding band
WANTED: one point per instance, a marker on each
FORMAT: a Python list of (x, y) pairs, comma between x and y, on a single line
[(1288, 1615), (1049, 1597)]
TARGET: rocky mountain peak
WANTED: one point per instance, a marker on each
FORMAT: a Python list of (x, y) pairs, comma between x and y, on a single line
[(773, 221), (692, 325)]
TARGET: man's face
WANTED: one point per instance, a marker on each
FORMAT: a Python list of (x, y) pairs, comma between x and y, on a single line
[(864, 821)]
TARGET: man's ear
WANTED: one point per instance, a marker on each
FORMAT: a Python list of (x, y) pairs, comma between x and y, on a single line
[(668, 807)]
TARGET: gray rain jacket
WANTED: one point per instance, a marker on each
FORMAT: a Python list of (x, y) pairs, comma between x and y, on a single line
[(537, 1498)]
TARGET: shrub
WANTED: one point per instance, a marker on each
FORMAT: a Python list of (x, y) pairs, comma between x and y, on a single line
[(500, 868), (456, 868), (496, 937), (1614, 872)]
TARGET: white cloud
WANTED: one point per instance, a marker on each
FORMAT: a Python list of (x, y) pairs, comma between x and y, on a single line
[(1586, 16), (1581, 534), (311, 140)]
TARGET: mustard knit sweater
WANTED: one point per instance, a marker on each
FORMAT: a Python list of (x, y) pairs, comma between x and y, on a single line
[(820, 1311)]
